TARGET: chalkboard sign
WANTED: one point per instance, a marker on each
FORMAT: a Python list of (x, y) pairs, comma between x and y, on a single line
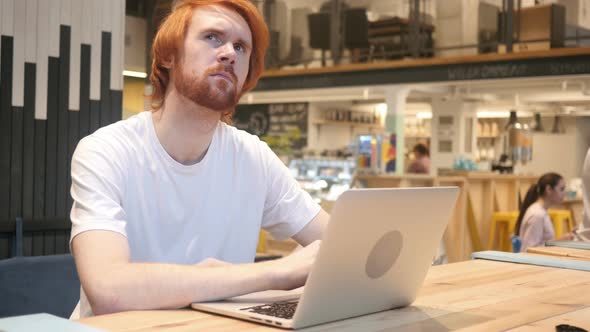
[(274, 120)]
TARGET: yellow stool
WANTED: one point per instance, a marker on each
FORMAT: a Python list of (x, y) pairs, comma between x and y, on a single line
[(261, 248), (504, 222), (559, 218)]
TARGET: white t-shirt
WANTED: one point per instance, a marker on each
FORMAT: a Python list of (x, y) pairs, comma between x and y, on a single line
[(124, 181), (536, 227)]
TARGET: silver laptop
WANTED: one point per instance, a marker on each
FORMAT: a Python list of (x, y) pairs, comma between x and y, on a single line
[(374, 256)]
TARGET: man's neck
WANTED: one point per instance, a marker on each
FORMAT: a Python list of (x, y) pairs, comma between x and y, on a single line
[(184, 128)]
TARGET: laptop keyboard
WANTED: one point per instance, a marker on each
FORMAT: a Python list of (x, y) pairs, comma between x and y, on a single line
[(277, 309)]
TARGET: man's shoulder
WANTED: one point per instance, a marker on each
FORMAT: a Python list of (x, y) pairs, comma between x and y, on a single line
[(117, 136), (127, 128)]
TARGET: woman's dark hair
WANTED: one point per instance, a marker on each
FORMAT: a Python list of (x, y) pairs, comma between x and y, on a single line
[(536, 190), (422, 149)]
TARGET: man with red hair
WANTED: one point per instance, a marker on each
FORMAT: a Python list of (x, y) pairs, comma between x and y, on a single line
[(168, 204)]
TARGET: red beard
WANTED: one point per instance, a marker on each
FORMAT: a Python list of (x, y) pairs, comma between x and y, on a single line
[(219, 95)]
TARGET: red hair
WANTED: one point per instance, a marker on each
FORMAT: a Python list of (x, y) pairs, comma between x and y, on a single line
[(170, 37)]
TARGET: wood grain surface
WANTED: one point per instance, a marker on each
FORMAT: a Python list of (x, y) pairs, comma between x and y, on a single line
[(477, 295)]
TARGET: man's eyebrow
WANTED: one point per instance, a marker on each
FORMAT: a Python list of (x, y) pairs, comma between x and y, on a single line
[(215, 31)]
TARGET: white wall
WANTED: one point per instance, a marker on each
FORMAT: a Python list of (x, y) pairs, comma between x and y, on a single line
[(135, 43), (577, 12), (456, 24), (583, 141), (561, 153), (462, 144)]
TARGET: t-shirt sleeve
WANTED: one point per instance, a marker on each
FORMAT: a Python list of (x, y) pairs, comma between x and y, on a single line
[(287, 208), (97, 188)]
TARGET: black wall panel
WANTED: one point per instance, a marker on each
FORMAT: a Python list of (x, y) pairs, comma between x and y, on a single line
[(94, 115), (116, 105), (5, 124), (73, 133), (16, 161), (51, 142), (28, 141), (84, 116), (62, 122), (38, 245), (35, 154), (36, 148), (105, 80), (49, 241), (28, 244), (5, 245), (39, 169)]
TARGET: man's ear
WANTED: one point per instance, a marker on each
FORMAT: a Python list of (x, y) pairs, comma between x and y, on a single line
[(168, 63)]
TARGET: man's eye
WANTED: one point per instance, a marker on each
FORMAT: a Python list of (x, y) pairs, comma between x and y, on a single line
[(239, 47), (211, 37)]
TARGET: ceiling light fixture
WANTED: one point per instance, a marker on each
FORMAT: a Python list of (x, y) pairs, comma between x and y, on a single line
[(131, 73), (424, 115), (493, 114)]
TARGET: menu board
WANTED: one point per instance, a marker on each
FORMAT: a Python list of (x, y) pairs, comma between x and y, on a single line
[(274, 120)]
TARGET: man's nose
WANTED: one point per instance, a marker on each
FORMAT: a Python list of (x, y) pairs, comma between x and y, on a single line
[(227, 54)]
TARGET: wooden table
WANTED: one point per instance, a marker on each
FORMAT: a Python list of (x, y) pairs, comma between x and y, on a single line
[(476, 295), (570, 318), (562, 252)]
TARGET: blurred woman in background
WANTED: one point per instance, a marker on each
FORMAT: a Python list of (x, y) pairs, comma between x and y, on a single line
[(421, 162), (534, 224)]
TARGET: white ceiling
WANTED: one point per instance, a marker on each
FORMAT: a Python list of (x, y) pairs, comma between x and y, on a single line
[(570, 95)]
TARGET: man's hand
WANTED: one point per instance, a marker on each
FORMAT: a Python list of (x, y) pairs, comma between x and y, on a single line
[(291, 271), (113, 283)]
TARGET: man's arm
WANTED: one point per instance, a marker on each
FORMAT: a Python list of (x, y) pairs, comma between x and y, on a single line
[(112, 283), (314, 230)]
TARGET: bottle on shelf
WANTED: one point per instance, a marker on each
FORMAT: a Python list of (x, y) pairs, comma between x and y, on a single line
[(537, 125), (486, 129), (494, 132), (557, 125), (518, 142)]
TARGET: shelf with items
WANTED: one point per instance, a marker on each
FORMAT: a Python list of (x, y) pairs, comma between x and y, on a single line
[(417, 128), (488, 136), (488, 128), (355, 120), (355, 128), (370, 126), (323, 178), (425, 136), (489, 139), (489, 148)]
